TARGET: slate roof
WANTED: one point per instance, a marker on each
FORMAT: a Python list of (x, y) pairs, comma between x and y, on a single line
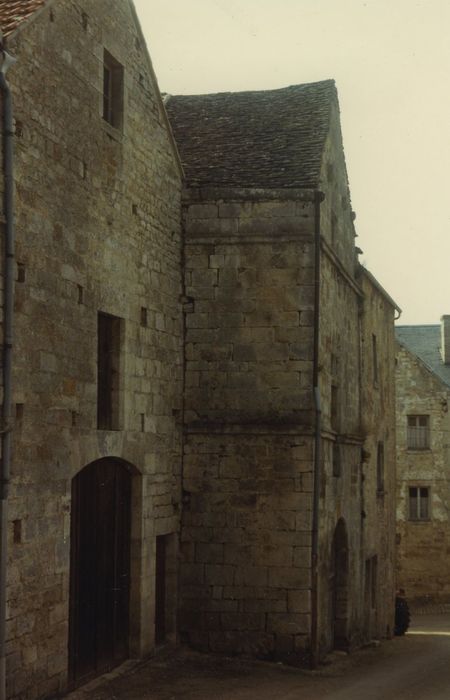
[(267, 139), (13, 12), (425, 343)]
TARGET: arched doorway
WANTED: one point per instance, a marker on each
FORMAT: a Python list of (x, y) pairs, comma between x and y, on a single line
[(100, 568), (339, 587)]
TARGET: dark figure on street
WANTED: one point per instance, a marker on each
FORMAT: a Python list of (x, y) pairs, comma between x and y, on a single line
[(402, 614)]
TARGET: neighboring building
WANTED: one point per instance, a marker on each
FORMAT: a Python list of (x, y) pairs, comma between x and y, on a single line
[(95, 492), (423, 461), (287, 533)]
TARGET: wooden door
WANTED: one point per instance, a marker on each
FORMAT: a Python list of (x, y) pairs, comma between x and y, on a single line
[(100, 569)]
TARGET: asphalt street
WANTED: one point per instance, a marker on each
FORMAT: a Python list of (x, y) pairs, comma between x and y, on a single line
[(413, 667)]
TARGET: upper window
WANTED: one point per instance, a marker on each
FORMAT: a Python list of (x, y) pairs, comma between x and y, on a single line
[(112, 90), (419, 503), (418, 433)]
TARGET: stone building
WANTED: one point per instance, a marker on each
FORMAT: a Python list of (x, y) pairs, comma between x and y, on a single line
[(287, 536), (234, 307), (97, 368), (423, 461)]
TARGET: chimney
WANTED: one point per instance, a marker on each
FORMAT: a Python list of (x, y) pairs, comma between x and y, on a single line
[(445, 339)]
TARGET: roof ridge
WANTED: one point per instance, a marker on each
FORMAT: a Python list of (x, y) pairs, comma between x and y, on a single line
[(327, 81)]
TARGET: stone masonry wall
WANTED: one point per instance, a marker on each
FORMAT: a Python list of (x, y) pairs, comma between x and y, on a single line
[(423, 567), (378, 423), (340, 492), (98, 229), (245, 571), (340, 397)]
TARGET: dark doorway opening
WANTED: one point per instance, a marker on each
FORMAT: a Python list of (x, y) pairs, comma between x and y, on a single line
[(100, 569), (339, 587)]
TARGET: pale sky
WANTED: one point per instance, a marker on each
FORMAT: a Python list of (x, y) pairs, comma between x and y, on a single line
[(391, 63)]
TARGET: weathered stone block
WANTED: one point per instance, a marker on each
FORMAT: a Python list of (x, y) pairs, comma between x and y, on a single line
[(299, 601), (217, 575), (288, 623), (285, 577)]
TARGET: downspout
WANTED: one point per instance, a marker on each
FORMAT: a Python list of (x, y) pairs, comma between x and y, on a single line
[(318, 198), (8, 300)]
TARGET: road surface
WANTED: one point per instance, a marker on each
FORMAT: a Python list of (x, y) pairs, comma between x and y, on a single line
[(414, 667)]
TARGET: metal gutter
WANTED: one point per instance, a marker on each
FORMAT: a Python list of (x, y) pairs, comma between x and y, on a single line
[(8, 309)]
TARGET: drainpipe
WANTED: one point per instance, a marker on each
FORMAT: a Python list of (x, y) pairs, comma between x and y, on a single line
[(8, 296), (318, 198)]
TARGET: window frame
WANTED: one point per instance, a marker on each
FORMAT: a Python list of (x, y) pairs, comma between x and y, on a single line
[(417, 516), (418, 441), (112, 91), (380, 468), (375, 374)]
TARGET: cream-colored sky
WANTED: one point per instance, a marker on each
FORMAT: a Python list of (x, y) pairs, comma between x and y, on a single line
[(391, 63)]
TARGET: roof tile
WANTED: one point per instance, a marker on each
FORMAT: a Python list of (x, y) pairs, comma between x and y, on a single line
[(14, 12), (269, 138), (425, 343)]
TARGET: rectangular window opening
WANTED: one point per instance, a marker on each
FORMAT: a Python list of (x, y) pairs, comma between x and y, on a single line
[(160, 590), (370, 583), (112, 90), (21, 272), (380, 468), (336, 460), (375, 359), (334, 418), (108, 371), (418, 433), (419, 503)]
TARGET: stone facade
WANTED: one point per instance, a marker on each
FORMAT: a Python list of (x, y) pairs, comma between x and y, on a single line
[(246, 537), (97, 230), (423, 536), (262, 267), (226, 377)]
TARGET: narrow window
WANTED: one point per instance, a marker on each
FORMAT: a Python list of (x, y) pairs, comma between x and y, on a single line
[(334, 408), (17, 531), (374, 359), (373, 587), (333, 228), (20, 272), (160, 590), (418, 433), (336, 460), (112, 90), (371, 578), (380, 467), (419, 503), (108, 371), (334, 366)]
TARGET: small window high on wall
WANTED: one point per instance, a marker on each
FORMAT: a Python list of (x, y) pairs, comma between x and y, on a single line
[(112, 91), (108, 372)]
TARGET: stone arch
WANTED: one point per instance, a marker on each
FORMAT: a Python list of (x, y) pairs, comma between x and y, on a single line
[(339, 564)]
